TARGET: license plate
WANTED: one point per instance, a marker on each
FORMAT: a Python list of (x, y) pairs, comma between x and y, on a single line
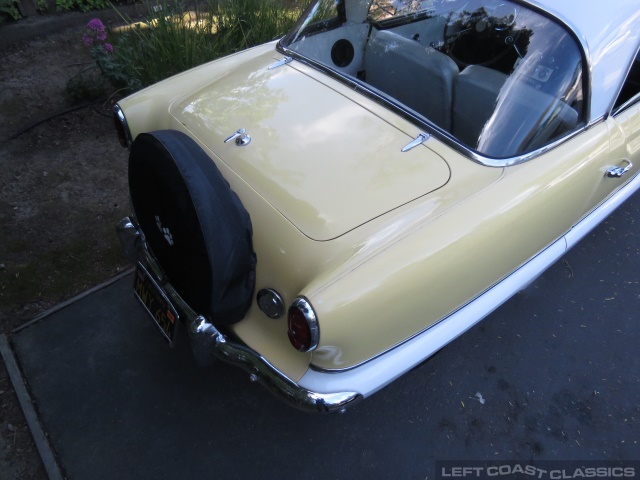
[(156, 303)]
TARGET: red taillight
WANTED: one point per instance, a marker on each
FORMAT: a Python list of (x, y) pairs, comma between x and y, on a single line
[(303, 326)]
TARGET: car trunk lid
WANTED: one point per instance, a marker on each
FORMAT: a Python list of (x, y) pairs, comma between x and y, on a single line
[(322, 160)]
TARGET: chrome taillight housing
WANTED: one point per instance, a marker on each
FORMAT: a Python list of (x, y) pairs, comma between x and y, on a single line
[(304, 333), (120, 122)]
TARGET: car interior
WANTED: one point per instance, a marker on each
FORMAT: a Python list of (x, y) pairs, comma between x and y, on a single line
[(455, 70)]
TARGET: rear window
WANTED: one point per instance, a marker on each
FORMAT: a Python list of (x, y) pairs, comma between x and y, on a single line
[(494, 76)]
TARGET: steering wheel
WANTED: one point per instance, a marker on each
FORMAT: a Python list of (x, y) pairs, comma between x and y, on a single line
[(478, 37)]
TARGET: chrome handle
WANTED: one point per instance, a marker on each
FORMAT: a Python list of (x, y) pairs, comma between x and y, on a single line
[(617, 172), (279, 63), (420, 139), (239, 132)]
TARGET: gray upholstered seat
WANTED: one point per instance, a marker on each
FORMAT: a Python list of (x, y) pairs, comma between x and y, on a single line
[(531, 120), (416, 75), (474, 99), (521, 119)]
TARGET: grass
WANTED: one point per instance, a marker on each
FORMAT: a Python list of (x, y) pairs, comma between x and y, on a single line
[(177, 38)]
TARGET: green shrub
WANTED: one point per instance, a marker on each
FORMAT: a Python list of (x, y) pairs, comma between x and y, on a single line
[(82, 5), (246, 23), (174, 39), (9, 10)]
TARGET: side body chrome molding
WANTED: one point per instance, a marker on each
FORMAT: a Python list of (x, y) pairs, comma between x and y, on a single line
[(371, 376)]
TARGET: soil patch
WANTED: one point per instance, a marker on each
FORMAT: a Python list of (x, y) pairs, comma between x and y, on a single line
[(63, 186)]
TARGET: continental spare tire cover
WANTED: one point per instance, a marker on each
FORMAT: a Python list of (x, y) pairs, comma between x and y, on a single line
[(194, 224)]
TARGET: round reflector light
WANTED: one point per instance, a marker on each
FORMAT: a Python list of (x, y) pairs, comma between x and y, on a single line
[(270, 302)]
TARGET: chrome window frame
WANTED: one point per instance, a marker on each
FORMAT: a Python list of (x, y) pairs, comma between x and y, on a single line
[(614, 111), (424, 123)]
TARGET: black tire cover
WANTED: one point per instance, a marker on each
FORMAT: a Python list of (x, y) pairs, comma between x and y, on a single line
[(195, 225)]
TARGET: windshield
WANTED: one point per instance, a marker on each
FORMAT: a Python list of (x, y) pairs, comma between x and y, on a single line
[(496, 77)]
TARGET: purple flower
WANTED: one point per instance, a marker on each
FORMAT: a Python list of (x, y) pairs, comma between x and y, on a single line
[(96, 25), (108, 47), (95, 34)]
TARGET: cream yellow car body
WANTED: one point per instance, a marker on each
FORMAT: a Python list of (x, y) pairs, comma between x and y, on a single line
[(385, 244)]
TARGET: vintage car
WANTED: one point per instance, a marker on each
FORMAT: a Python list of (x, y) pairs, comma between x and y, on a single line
[(329, 210)]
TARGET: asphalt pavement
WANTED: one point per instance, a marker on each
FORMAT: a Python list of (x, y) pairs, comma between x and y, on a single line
[(552, 376)]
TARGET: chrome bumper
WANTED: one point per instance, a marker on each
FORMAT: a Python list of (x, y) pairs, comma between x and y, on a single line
[(208, 344)]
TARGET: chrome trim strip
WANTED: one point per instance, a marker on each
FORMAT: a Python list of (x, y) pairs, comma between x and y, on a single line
[(128, 234), (531, 269), (123, 120), (209, 344), (633, 100), (422, 122), (374, 374), (628, 104), (550, 252)]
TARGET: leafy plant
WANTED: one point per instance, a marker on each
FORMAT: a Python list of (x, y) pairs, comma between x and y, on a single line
[(87, 85), (82, 5), (176, 38), (9, 9)]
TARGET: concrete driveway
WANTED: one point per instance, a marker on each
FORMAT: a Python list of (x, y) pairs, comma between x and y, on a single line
[(553, 375)]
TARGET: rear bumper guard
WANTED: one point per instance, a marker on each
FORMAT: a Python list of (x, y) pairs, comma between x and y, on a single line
[(209, 344)]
